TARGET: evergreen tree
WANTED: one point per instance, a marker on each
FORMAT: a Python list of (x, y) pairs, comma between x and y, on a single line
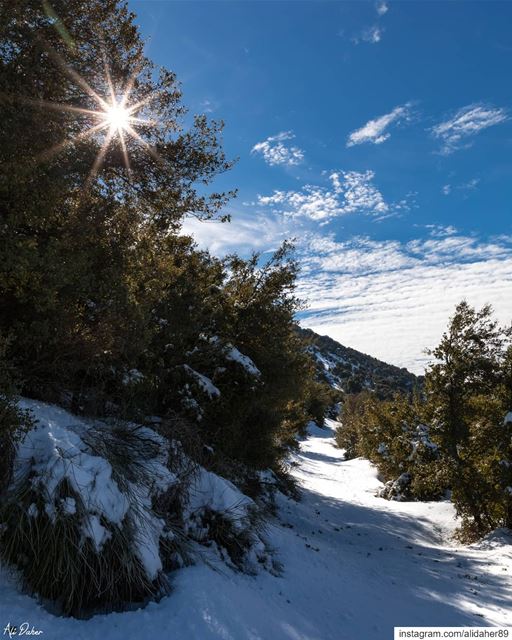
[(466, 392), (80, 232)]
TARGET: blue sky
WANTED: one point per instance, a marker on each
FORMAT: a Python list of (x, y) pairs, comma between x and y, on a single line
[(379, 134)]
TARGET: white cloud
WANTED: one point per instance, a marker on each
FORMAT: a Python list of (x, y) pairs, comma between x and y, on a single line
[(456, 132), (381, 8), (393, 299), (471, 185), (357, 256), (358, 192), (276, 152), (465, 187), (207, 106), (372, 35), (387, 298), (439, 230), (245, 233), (315, 203), (350, 192), (375, 130)]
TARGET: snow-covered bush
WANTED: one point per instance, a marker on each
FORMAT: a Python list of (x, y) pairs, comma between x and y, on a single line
[(218, 514), (399, 489), (78, 518)]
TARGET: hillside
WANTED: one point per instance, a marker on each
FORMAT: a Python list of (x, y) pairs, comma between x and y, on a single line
[(352, 371)]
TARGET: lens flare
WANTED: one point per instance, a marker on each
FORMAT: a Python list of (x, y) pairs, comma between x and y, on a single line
[(116, 118)]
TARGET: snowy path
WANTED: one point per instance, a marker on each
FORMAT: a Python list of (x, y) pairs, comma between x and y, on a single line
[(354, 566)]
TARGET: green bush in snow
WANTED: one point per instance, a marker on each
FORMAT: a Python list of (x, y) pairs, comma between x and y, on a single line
[(394, 436)]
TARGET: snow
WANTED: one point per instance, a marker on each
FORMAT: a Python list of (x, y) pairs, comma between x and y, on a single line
[(56, 451), (422, 437), (508, 418), (210, 491), (149, 532), (204, 383), (354, 566), (328, 364), (93, 529), (68, 505), (383, 450), (133, 377), (234, 355)]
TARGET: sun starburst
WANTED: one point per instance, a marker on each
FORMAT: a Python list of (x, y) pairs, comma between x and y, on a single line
[(118, 117), (115, 118)]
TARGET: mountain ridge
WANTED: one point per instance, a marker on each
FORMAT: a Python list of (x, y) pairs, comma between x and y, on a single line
[(352, 371)]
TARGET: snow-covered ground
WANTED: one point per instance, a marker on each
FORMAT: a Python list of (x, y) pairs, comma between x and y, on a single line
[(354, 566)]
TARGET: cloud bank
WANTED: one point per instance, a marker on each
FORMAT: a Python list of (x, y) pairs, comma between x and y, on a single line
[(387, 298), (393, 299)]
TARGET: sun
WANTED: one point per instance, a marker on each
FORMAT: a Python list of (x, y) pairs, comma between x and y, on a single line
[(118, 117)]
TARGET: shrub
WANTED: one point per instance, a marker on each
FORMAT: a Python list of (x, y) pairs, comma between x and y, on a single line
[(351, 423), (13, 421), (321, 401), (78, 518), (13, 424), (217, 514), (97, 512), (393, 435), (457, 436)]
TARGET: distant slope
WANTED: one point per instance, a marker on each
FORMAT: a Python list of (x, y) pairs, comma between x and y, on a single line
[(352, 371)]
